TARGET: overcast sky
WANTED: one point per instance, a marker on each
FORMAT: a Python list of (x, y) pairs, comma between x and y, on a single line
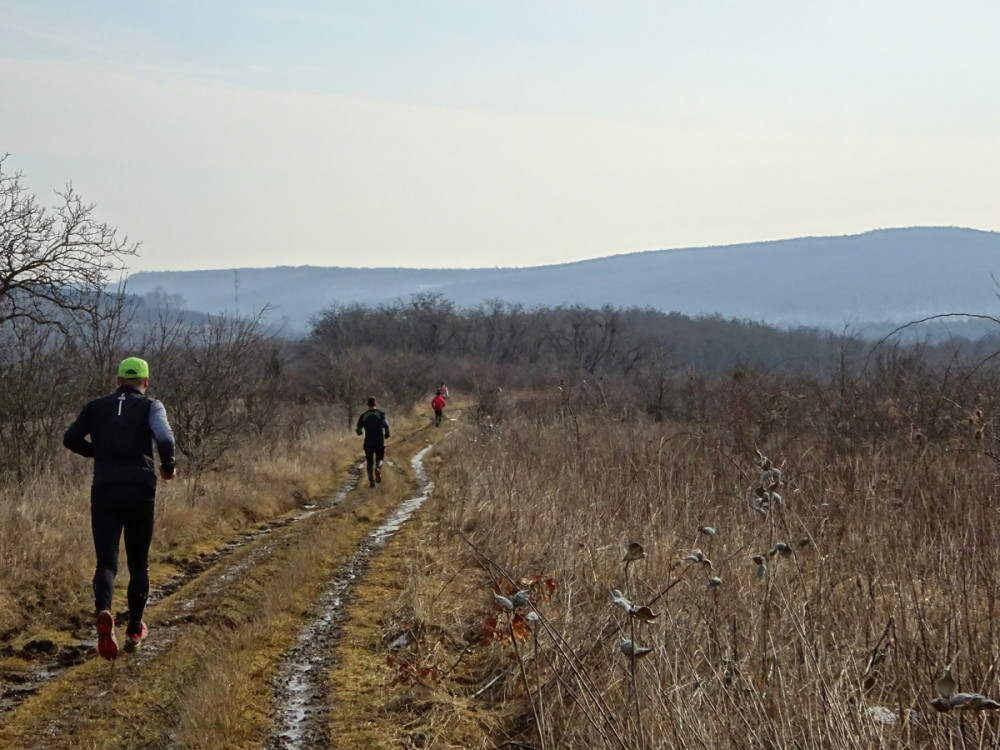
[(447, 133)]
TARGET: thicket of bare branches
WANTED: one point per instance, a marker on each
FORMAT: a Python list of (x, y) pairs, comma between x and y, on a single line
[(664, 361)]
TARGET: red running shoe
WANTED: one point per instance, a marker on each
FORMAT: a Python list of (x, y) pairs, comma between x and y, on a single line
[(134, 640), (107, 646)]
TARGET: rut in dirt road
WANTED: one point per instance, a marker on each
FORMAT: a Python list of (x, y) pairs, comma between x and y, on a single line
[(57, 660), (302, 688)]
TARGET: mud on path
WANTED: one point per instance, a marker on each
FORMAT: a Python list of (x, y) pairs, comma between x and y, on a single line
[(49, 660), (244, 637), (303, 690)]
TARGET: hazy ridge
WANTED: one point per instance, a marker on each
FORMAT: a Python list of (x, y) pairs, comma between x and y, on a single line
[(864, 281)]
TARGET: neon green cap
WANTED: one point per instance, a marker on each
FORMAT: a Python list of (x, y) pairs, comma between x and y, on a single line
[(133, 367)]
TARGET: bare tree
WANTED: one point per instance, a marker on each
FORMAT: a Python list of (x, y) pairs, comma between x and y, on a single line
[(219, 380), (339, 375), (101, 334), (52, 260)]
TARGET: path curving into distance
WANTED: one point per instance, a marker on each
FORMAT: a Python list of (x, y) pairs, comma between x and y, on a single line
[(302, 687)]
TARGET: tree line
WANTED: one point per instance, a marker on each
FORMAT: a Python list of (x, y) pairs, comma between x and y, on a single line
[(67, 318)]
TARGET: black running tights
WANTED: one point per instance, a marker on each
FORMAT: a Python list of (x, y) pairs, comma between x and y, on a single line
[(373, 453), (115, 509)]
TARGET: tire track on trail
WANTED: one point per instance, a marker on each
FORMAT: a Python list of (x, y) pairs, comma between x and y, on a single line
[(302, 688), (56, 661)]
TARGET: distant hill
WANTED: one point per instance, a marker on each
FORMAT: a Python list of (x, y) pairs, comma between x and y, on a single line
[(866, 282)]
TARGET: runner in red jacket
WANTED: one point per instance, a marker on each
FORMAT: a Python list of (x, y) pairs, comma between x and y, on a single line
[(437, 404)]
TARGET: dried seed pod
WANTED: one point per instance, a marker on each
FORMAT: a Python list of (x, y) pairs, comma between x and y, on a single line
[(770, 478), (699, 557), (634, 552), (521, 598), (630, 649), (972, 702), (945, 684), (781, 549), (620, 601), (645, 614)]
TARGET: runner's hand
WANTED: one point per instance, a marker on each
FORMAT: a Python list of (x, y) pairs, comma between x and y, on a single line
[(168, 475)]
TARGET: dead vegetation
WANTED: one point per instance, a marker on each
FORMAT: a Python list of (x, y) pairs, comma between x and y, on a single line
[(812, 606), (585, 576)]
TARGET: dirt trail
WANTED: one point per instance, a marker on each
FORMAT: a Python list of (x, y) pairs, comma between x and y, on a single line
[(52, 661), (73, 699), (303, 689)]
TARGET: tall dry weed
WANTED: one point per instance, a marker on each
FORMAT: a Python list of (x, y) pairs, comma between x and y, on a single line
[(876, 560), (45, 547)]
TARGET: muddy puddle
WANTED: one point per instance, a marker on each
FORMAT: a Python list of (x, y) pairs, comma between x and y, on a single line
[(302, 688)]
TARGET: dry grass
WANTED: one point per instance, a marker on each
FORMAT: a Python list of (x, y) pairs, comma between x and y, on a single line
[(897, 578), (46, 549), (232, 705), (421, 591), (213, 687)]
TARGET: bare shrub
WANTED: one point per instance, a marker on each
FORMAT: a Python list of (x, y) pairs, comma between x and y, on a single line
[(220, 381), (39, 386)]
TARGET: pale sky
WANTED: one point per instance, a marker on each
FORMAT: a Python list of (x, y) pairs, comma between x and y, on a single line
[(447, 133)]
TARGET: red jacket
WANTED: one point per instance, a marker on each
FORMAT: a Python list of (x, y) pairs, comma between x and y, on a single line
[(438, 402)]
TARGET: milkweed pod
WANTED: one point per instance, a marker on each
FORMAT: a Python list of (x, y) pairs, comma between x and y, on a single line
[(634, 552), (620, 601), (521, 598), (630, 649), (945, 684), (644, 613), (972, 702), (941, 704)]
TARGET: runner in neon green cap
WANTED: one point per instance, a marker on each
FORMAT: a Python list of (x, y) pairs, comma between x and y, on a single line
[(123, 428)]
